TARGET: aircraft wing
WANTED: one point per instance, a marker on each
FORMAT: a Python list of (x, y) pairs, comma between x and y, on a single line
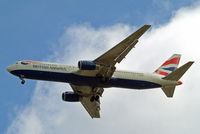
[(118, 53), (107, 62), (92, 107)]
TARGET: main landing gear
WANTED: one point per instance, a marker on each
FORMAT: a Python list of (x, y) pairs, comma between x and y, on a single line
[(22, 79), (94, 98), (97, 92)]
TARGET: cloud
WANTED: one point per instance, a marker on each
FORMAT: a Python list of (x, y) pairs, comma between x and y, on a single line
[(123, 110)]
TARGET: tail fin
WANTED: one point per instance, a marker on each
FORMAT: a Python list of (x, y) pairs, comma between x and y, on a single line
[(169, 66), (175, 76)]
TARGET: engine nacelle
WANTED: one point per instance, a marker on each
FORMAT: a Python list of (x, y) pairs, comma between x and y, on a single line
[(70, 96), (87, 65)]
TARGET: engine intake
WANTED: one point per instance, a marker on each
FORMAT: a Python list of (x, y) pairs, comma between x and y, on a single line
[(87, 65), (70, 96)]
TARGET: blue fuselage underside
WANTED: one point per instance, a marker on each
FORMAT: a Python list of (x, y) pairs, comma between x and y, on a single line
[(84, 80)]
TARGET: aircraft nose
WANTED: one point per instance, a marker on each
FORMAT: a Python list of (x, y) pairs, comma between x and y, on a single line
[(9, 68)]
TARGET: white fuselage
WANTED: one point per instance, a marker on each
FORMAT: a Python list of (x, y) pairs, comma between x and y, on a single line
[(71, 74)]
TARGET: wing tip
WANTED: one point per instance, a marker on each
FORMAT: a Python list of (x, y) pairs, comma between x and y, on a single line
[(147, 26), (142, 30)]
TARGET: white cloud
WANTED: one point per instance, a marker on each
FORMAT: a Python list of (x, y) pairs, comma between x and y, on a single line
[(123, 110)]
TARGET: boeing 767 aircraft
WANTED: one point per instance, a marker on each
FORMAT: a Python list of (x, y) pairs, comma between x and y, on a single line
[(89, 79)]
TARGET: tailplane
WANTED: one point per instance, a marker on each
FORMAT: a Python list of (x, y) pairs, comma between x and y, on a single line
[(178, 73), (169, 66), (169, 90), (175, 76)]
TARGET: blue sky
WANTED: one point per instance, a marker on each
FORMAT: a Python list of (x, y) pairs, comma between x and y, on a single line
[(30, 30)]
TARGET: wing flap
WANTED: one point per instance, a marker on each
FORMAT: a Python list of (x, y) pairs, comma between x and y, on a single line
[(125, 52)]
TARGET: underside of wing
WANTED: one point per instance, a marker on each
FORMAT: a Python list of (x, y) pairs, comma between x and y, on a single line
[(90, 99), (93, 108), (118, 52), (104, 66)]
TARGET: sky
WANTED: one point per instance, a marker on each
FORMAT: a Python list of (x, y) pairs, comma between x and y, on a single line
[(69, 31)]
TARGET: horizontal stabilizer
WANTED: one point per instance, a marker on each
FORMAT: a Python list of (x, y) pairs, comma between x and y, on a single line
[(178, 73), (168, 90)]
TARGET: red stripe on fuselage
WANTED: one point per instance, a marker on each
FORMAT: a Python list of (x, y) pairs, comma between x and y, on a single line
[(172, 61), (30, 62)]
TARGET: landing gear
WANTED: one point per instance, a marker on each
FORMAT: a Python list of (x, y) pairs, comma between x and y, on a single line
[(23, 81), (105, 79), (21, 78), (96, 94), (102, 78), (94, 98)]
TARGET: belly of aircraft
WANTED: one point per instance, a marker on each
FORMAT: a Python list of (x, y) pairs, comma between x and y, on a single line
[(84, 80)]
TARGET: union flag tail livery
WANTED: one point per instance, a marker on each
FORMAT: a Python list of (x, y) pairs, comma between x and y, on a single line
[(90, 77), (169, 66)]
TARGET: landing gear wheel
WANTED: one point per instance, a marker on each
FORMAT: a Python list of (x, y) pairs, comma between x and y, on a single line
[(23, 81), (97, 98), (21, 77), (92, 98), (104, 79)]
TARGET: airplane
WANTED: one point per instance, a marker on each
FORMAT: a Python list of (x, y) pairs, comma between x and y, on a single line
[(89, 78)]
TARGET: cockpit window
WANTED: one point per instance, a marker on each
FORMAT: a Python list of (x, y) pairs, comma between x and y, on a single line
[(24, 63), (28, 62)]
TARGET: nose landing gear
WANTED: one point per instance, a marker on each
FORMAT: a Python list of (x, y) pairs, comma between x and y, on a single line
[(22, 79)]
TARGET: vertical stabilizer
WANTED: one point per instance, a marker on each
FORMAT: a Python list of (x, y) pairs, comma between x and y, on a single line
[(169, 66)]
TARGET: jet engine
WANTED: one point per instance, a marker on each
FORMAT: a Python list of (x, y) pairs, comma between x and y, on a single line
[(71, 97), (87, 65)]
